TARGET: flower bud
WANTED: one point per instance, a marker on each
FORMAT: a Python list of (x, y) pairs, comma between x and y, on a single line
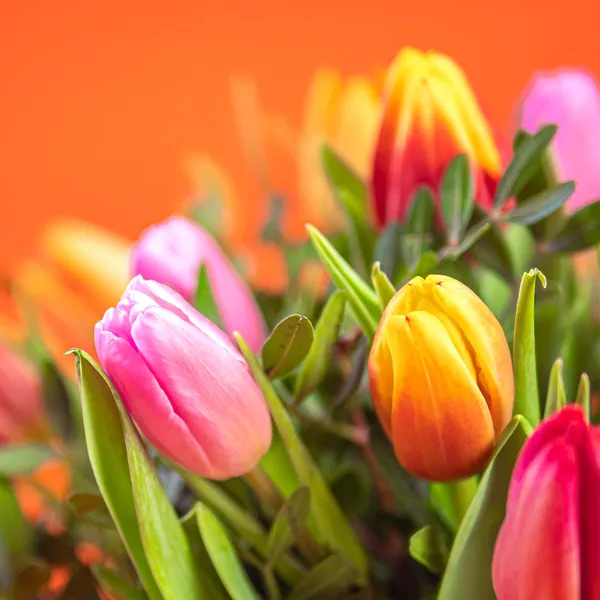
[(185, 385), (549, 543), (172, 252), (441, 378)]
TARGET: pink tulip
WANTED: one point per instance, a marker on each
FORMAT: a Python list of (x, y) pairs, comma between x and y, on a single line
[(185, 385), (571, 100), (549, 543), (172, 252), (20, 397)]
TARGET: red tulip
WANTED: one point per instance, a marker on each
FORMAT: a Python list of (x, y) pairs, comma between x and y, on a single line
[(549, 543)]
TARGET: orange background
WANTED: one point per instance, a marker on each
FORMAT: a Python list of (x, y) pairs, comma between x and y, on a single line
[(101, 101)]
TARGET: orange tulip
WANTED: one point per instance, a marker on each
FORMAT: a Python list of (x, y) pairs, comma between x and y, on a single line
[(430, 115), (441, 378)]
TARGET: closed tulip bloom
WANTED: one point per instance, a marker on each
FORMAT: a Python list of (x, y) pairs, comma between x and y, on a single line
[(441, 378), (172, 252), (549, 543), (183, 382), (570, 99), (430, 115)]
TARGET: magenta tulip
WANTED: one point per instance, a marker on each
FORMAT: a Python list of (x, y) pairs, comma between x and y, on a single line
[(185, 385), (173, 251), (571, 100), (549, 543)]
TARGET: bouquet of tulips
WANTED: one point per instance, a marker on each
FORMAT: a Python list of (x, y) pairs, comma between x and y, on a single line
[(410, 416)]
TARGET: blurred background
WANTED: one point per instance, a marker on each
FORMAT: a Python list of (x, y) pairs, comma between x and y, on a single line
[(102, 103)]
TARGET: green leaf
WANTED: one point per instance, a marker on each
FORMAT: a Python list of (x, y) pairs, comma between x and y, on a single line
[(527, 402), (476, 232), (556, 397), (15, 536), (426, 265), (578, 231), (329, 578), (419, 225), (315, 365), (84, 503), (468, 573), (583, 394), (113, 585), (457, 198), (330, 519), (384, 288), (351, 194), (288, 524), (540, 206), (204, 300), (287, 346), (427, 547), (492, 250), (209, 213), (525, 163), (272, 230), (388, 250), (223, 556), (22, 459), (108, 457), (361, 297)]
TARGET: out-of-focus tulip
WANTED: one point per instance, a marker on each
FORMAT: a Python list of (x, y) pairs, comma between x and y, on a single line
[(570, 99), (80, 269), (172, 252), (441, 378), (184, 383), (345, 114), (430, 115), (21, 414), (549, 543)]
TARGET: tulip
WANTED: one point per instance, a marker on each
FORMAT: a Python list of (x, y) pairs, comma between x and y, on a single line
[(21, 414), (430, 115), (441, 378), (571, 100), (549, 543), (183, 382), (172, 252)]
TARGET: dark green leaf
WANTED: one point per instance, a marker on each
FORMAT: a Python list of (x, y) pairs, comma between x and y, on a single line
[(426, 265), (315, 365), (288, 524), (541, 205), (477, 231), (579, 231), (468, 573), (84, 503), (287, 346), (427, 547), (204, 301), (15, 536), (112, 584), (223, 556), (388, 250), (329, 578), (556, 397), (525, 163), (457, 198), (419, 225), (492, 251), (351, 194), (22, 459)]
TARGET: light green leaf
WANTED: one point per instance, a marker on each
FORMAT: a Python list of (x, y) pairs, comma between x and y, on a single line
[(113, 585), (457, 198), (361, 297), (328, 579), (541, 205), (330, 519), (288, 524), (315, 365), (583, 395), (204, 300), (527, 402), (383, 286), (556, 397), (287, 346), (468, 573), (22, 459), (223, 556), (108, 457), (427, 547), (15, 536)]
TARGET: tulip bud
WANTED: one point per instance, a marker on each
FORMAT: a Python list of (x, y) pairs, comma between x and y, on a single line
[(186, 386), (172, 252), (430, 115), (549, 543), (20, 398), (441, 378)]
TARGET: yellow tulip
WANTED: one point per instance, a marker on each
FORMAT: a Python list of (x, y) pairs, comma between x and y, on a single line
[(441, 378)]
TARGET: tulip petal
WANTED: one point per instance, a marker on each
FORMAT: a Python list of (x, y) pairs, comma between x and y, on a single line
[(214, 396), (537, 551), (436, 396)]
